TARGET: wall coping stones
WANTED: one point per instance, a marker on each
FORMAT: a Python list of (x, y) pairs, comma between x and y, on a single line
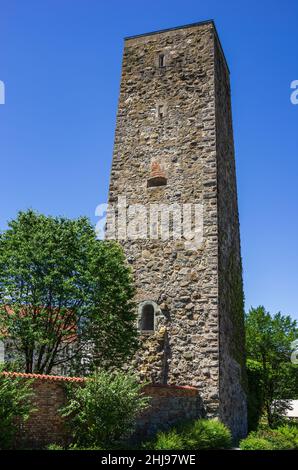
[(149, 389), (53, 378)]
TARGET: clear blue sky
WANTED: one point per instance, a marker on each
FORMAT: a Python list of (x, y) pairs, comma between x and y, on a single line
[(61, 60)]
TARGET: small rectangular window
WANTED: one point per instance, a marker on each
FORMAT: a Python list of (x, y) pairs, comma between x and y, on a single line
[(160, 111), (161, 60)]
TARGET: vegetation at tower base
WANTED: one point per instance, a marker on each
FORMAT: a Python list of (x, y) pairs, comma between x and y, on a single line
[(15, 407), (237, 316), (62, 290), (273, 379), (255, 393), (282, 438), (105, 409), (202, 434)]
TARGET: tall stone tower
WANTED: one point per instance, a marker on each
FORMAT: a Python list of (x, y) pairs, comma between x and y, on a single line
[(174, 147)]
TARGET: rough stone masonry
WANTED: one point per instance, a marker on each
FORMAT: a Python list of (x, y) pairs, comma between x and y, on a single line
[(174, 145)]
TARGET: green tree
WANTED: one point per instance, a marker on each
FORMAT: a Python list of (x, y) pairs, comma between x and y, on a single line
[(255, 401), (273, 379), (62, 290)]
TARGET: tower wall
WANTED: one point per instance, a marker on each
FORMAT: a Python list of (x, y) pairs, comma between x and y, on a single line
[(232, 374), (189, 143)]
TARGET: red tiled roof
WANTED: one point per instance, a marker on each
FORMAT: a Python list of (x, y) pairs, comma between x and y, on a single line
[(71, 328), (63, 378), (44, 377)]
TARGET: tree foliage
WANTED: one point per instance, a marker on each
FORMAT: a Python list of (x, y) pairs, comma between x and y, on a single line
[(15, 406), (105, 409), (255, 402), (273, 379), (61, 289)]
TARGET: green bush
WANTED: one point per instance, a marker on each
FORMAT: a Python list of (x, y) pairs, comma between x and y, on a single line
[(277, 440), (170, 440), (291, 433), (282, 438), (15, 407), (196, 435), (206, 434), (54, 447), (104, 410), (255, 443)]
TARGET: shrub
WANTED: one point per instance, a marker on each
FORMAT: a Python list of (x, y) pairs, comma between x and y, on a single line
[(104, 410), (170, 440), (277, 440), (196, 435), (15, 407), (206, 434), (54, 447), (290, 432), (282, 438), (255, 443)]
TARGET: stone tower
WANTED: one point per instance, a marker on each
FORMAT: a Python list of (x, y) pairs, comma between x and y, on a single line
[(174, 147)]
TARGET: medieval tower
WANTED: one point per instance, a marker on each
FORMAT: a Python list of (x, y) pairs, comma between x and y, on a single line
[(174, 147)]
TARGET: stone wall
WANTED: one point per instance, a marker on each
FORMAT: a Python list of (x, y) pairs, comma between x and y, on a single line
[(168, 405), (232, 374), (198, 338), (182, 282)]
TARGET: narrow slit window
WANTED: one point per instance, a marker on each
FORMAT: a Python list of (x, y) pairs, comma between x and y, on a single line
[(147, 318), (161, 111), (161, 60)]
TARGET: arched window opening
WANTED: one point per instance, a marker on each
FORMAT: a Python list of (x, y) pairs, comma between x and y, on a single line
[(147, 318)]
